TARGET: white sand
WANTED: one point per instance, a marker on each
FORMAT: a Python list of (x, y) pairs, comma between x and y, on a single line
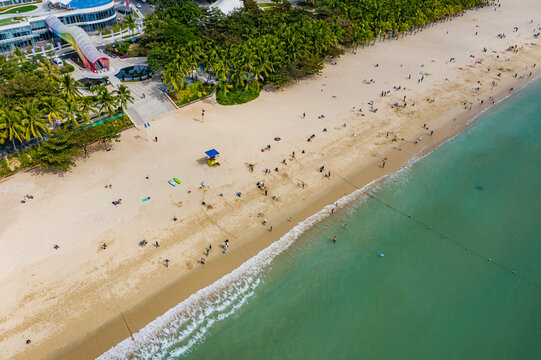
[(77, 288)]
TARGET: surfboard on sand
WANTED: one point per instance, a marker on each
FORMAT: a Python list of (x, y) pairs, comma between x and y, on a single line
[(176, 180), (172, 183)]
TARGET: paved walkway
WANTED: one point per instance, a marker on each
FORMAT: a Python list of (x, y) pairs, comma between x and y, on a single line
[(153, 105), (143, 109)]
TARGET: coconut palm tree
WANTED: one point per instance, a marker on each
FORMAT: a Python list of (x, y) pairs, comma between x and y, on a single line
[(73, 112), (31, 117), (87, 106), (10, 127), (107, 103), (69, 88), (48, 70), (175, 73), (19, 54), (129, 21), (54, 107), (123, 96)]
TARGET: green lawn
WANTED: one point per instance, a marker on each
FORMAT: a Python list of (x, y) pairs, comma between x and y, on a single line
[(6, 22), (236, 97), (266, 4), (20, 9), (191, 93)]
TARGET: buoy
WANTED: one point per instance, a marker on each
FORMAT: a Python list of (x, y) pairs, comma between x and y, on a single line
[(389, 205), (467, 248), (444, 235), (409, 216), (429, 228), (513, 271)]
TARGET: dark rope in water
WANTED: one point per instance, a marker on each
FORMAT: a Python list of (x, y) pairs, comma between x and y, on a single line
[(442, 235)]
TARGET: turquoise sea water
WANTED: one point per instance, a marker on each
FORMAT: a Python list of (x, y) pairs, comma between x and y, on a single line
[(428, 297)]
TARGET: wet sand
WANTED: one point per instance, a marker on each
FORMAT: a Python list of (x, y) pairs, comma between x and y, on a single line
[(69, 302)]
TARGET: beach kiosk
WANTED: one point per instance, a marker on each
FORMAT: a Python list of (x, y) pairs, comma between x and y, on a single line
[(211, 157)]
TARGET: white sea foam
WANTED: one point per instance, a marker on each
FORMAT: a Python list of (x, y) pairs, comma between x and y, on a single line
[(183, 326), (177, 331)]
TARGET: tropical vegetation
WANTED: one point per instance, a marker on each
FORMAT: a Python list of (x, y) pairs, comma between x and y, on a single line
[(38, 103), (252, 47), (192, 92)]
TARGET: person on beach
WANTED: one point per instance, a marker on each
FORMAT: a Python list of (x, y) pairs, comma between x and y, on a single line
[(56, 247), (203, 261), (383, 162), (208, 251), (270, 229), (166, 263)]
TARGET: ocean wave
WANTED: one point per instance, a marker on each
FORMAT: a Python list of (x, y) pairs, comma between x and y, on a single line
[(182, 327)]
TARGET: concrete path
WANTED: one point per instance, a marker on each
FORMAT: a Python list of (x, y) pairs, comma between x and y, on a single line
[(144, 109), (153, 105)]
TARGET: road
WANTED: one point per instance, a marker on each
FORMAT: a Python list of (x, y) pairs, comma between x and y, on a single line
[(146, 8)]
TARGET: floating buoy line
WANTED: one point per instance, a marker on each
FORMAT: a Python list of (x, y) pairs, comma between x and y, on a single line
[(441, 235)]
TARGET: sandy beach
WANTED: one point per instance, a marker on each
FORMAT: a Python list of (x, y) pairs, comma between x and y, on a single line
[(74, 302)]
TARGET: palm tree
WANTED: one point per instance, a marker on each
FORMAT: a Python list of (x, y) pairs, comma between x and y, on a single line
[(69, 88), (87, 105), (54, 107), (174, 74), (129, 21), (73, 112), (10, 127), (123, 96), (19, 54), (49, 71), (31, 117), (107, 103)]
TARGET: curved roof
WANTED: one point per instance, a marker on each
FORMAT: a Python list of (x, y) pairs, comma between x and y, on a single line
[(81, 4), (77, 35)]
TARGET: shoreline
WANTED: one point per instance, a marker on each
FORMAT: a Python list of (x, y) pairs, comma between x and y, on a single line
[(72, 302), (364, 177)]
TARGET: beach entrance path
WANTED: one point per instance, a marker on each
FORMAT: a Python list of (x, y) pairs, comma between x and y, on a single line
[(154, 103)]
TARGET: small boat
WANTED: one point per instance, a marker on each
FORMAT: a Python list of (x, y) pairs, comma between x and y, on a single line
[(176, 180), (172, 183)]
